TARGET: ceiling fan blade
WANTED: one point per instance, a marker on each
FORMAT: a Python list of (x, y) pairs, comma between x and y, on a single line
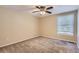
[(49, 8), (48, 12), (38, 7), (35, 11)]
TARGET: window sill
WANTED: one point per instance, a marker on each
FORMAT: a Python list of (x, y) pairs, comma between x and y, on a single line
[(65, 33)]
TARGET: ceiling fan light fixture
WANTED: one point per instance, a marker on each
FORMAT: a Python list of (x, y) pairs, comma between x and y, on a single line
[(42, 12)]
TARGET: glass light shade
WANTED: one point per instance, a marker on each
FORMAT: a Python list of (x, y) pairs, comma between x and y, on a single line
[(42, 13)]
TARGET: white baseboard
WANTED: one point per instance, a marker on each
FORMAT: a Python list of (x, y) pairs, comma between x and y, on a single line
[(35, 37), (60, 39), (18, 41)]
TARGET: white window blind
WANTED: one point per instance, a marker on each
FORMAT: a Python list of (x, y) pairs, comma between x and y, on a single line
[(65, 24)]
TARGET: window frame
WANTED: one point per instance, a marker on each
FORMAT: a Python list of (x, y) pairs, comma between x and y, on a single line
[(65, 33)]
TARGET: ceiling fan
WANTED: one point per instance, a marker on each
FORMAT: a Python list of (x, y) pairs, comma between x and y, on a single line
[(43, 9)]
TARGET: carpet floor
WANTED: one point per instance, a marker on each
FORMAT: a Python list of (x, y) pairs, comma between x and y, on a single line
[(41, 45)]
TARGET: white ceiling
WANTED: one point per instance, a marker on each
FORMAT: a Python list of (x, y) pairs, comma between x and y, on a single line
[(29, 8)]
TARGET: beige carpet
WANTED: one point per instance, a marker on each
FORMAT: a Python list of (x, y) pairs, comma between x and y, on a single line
[(41, 45)]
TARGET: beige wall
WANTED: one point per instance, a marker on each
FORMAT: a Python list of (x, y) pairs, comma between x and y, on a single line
[(49, 28), (16, 26)]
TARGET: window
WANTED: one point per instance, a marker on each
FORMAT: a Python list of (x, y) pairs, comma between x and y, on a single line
[(65, 24)]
